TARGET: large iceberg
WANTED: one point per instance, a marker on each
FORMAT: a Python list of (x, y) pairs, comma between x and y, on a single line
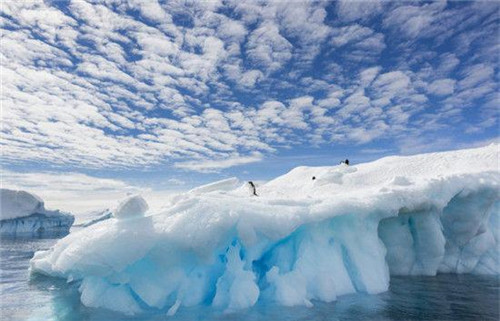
[(24, 214), (302, 239)]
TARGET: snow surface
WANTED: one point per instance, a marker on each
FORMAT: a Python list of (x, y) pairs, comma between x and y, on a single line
[(23, 213), (300, 240), (15, 204), (133, 206)]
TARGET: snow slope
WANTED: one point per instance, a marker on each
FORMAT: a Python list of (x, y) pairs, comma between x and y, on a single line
[(300, 240), (24, 214)]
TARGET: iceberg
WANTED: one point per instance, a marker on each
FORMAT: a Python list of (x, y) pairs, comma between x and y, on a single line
[(24, 215), (95, 217), (301, 240)]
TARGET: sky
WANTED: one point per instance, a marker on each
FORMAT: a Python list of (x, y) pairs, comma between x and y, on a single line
[(104, 98)]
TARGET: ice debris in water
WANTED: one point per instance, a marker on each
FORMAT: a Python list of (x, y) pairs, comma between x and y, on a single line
[(301, 240)]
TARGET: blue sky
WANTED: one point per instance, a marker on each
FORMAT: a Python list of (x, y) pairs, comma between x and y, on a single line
[(168, 95)]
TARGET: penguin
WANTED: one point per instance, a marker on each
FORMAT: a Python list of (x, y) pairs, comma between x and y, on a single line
[(253, 190), (346, 161)]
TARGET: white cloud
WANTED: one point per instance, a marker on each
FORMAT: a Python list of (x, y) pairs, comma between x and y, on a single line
[(442, 87), (390, 85), (448, 62), (360, 43), (368, 75), (176, 181), (475, 75), (267, 48), (414, 20), (147, 84), (348, 10), (250, 78), (208, 166), (345, 35)]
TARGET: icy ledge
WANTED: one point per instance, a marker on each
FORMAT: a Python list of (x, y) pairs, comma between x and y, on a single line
[(23, 214), (300, 240)]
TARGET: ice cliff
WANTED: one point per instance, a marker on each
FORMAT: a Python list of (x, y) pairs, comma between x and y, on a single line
[(24, 214), (300, 240)]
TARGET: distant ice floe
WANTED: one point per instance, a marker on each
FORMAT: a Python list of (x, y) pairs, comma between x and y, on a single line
[(24, 215), (302, 239)]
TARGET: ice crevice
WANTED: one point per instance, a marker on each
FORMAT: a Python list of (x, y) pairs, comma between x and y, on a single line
[(298, 242)]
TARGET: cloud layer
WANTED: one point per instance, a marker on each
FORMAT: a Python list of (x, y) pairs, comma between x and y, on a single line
[(209, 85)]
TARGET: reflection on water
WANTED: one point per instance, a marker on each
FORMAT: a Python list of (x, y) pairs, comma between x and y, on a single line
[(444, 297)]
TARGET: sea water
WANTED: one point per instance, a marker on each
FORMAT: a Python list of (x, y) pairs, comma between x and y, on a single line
[(443, 297)]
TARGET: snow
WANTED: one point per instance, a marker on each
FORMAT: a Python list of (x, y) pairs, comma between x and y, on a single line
[(24, 214), (299, 241), (133, 206), (15, 204), (222, 185)]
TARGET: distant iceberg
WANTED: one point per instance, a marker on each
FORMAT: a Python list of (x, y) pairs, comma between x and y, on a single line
[(24, 215), (94, 217), (302, 239)]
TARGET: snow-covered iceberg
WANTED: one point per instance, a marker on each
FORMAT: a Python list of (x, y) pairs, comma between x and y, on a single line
[(24, 214), (302, 239)]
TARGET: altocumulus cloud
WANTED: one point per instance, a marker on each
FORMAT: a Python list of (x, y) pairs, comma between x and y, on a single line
[(204, 86)]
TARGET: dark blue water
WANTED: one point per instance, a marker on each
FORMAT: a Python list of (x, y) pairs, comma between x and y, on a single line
[(444, 297)]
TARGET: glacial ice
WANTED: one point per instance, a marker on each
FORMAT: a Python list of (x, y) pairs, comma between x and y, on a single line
[(299, 241), (24, 214)]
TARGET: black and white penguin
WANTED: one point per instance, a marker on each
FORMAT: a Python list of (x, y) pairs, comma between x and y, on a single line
[(253, 190), (346, 161)]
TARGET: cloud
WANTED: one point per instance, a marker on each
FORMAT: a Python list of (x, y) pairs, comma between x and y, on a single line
[(153, 84), (250, 78), (442, 87), (358, 10), (176, 181), (390, 85), (414, 20), (475, 75), (208, 166), (267, 48), (359, 43), (368, 75)]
